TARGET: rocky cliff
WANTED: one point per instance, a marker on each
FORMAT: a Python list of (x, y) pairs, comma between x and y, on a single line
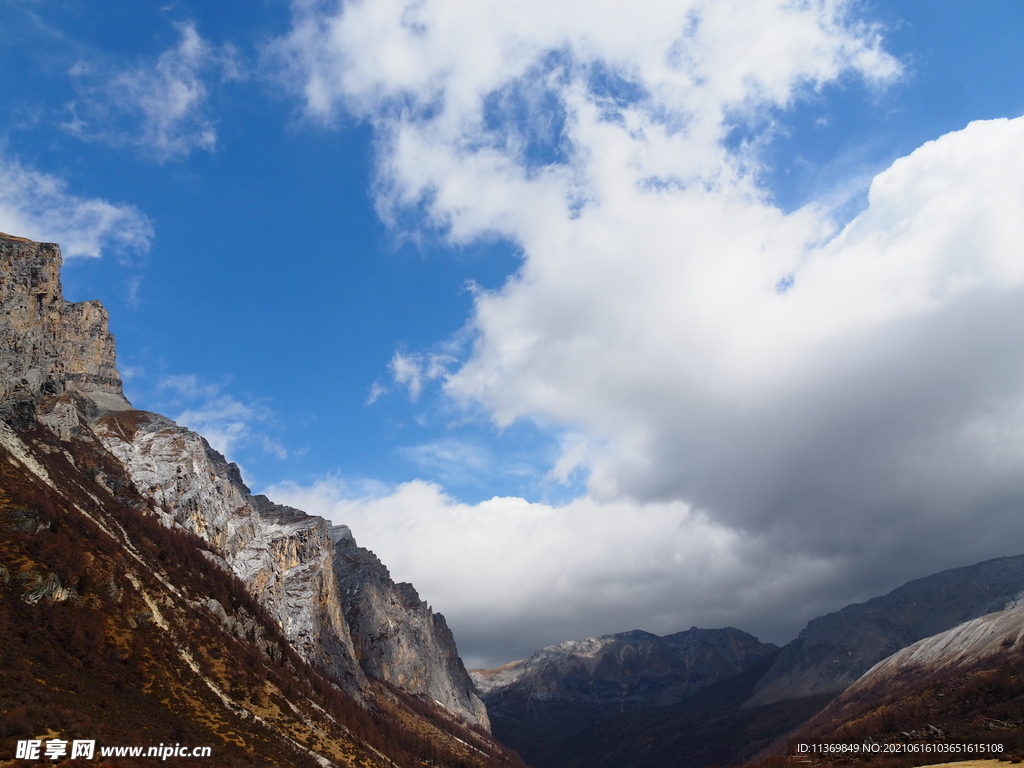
[(397, 637), (48, 344), (282, 555), (836, 649), (563, 689), (57, 371)]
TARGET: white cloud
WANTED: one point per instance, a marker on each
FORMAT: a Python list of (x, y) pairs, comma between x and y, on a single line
[(845, 395), (575, 455), (511, 576), (160, 106), (672, 340), (39, 206), (664, 306)]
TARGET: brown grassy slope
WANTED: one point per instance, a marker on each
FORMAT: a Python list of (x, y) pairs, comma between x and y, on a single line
[(980, 704), (109, 630)]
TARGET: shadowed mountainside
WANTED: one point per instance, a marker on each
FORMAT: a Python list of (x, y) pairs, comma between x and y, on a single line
[(706, 729), (836, 649)]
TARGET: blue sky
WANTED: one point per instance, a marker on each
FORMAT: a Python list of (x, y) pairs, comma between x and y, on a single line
[(555, 305)]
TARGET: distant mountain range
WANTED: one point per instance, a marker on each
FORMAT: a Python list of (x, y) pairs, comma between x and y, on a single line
[(635, 699), (563, 689)]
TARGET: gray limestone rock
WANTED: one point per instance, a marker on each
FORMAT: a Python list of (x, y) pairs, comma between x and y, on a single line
[(48, 345), (282, 555), (397, 637)]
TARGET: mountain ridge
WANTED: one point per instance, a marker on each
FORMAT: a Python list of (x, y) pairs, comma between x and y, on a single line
[(152, 494), (834, 650), (961, 686), (563, 689), (830, 654)]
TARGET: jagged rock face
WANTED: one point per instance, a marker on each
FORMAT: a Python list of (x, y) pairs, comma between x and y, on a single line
[(836, 649), (398, 638), (46, 343), (57, 368), (282, 555), (562, 689)]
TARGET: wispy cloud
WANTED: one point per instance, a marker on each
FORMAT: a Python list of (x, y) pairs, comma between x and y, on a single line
[(40, 206), (414, 371), (160, 106), (453, 461), (377, 391), (226, 422)]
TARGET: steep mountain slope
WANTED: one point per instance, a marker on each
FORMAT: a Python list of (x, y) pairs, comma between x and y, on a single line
[(284, 559), (563, 689), (147, 596), (964, 685), (287, 559), (836, 649)]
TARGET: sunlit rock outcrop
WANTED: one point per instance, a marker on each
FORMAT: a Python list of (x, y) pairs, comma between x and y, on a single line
[(49, 345), (282, 555)]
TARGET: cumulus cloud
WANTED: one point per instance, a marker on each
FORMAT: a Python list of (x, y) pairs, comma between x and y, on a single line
[(39, 206), (808, 390), (159, 106), (712, 339)]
